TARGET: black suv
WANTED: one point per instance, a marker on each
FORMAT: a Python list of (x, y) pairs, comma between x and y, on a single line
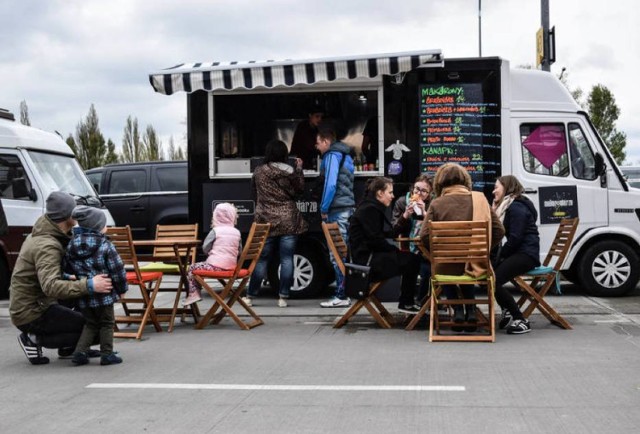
[(143, 195)]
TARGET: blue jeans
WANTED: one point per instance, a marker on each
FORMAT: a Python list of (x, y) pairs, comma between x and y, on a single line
[(342, 218), (286, 244)]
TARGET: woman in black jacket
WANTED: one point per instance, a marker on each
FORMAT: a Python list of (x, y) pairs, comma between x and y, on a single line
[(520, 253), (368, 233)]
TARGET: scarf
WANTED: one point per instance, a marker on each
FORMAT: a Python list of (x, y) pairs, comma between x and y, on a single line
[(502, 207)]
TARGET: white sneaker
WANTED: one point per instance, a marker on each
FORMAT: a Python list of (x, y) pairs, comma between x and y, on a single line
[(192, 298), (336, 302), (282, 302), (247, 300)]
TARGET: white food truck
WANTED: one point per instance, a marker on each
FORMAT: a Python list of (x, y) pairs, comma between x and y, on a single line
[(414, 111)]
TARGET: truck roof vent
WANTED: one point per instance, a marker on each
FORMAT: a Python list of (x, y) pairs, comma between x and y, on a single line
[(6, 114)]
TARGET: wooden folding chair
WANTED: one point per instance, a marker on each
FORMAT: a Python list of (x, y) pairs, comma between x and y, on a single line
[(338, 249), (224, 301), (536, 283), (426, 305), (167, 263), (148, 282), (461, 242)]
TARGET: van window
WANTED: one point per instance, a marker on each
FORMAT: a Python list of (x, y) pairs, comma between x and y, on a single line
[(544, 149), (128, 181), (172, 178), (583, 163), (10, 169)]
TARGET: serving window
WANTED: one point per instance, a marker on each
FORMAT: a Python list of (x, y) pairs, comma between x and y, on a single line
[(244, 123)]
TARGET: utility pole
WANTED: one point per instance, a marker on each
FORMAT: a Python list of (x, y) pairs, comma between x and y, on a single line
[(480, 28), (544, 9)]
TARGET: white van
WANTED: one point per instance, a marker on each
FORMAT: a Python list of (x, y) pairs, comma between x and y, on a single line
[(416, 110), (33, 163)]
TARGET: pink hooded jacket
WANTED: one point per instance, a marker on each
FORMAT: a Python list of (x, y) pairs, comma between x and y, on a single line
[(223, 242)]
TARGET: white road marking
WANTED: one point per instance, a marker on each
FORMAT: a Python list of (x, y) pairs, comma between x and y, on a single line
[(281, 387)]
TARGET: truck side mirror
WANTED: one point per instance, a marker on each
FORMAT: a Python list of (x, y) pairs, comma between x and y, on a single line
[(600, 167), (19, 187)]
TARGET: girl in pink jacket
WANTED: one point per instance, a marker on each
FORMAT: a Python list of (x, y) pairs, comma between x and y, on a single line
[(222, 245)]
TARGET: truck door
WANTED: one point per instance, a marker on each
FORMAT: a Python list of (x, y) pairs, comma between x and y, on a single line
[(554, 160), (127, 199)]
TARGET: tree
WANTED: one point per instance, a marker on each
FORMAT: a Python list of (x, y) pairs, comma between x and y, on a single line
[(175, 153), (152, 147), (112, 155), (88, 144), (131, 145), (604, 113), (24, 113)]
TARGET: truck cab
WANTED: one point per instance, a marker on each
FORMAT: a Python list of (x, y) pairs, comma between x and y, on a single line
[(425, 110), (33, 163)]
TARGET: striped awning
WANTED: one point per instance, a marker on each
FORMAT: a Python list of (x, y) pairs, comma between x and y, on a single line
[(269, 74)]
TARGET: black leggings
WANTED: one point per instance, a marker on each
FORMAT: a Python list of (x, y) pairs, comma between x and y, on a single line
[(513, 266), (58, 327)]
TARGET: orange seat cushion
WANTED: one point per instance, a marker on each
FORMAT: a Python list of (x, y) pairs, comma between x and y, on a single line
[(146, 277), (220, 274)]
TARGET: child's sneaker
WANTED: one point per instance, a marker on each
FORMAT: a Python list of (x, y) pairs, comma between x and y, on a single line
[(282, 302), (336, 302), (79, 358), (111, 359), (194, 297), (247, 301), (519, 327)]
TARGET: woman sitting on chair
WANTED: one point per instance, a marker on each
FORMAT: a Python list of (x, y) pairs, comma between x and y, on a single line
[(456, 202), (368, 233), (520, 253)]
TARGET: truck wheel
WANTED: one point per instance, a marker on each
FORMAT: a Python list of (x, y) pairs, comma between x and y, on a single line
[(308, 278), (5, 278), (609, 269)]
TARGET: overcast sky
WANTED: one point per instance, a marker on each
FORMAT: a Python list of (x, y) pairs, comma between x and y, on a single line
[(61, 56)]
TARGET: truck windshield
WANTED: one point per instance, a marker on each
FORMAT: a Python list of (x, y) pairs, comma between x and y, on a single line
[(61, 172)]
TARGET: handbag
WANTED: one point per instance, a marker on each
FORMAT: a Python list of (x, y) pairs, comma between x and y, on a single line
[(356, 279)]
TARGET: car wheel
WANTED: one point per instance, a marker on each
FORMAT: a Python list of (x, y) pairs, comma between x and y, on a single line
[(609, 269), (308, 279)]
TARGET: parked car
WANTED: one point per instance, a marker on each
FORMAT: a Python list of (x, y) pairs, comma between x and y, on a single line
[(143, 195)]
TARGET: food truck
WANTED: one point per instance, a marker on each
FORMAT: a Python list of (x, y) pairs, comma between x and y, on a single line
[(415, 111)]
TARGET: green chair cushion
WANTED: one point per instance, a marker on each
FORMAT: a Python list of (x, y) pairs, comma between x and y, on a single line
[(160, 266)]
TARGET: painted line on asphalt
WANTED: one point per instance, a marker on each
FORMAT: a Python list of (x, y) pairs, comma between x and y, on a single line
[(280, 387)]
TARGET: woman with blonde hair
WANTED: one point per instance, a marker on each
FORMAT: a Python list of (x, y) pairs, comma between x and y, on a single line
[(455, 201)]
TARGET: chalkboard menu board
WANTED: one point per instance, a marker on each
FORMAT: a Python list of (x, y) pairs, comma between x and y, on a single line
[(458, 123)]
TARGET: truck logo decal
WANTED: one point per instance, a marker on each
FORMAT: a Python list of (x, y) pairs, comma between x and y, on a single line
[(397, 148)]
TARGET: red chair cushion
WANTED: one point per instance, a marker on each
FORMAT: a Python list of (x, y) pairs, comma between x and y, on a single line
[(146, 277), (221, 274)]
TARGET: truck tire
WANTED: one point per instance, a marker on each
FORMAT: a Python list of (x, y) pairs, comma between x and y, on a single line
[(308, 276), (5, 278), (609, 269)]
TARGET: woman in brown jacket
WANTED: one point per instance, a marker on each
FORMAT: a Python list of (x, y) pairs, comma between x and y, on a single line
[(275, 185), (456, 202)]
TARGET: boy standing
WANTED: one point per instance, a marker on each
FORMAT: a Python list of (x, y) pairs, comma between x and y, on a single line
[(90, 253)]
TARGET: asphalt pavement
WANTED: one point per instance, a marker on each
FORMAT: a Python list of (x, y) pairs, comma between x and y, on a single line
[(297, 374)]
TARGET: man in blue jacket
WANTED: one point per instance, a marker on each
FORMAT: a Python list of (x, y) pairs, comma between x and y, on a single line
[(337, 202)]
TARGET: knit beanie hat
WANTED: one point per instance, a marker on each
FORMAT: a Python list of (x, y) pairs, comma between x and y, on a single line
[(89, 217), (59, 206)]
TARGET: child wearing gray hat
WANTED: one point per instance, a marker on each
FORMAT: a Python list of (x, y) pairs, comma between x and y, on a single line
[(90, 253)]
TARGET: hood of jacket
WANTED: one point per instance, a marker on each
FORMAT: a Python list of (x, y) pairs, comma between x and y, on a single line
[(224, 215), (84, 243), (44, 226), (340, 147)]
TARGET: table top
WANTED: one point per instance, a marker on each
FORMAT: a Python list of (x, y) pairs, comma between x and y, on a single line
[(168, 242)]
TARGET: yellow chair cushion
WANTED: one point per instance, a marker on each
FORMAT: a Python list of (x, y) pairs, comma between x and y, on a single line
[(453, 278), (161, 266)]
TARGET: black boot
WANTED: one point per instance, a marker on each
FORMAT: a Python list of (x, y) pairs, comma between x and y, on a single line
[(471, 317), (458, 318)]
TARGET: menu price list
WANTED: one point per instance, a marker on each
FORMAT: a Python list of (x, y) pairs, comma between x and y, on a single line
[(458, 125)]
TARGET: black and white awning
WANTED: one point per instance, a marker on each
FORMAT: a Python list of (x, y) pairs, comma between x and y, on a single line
[(190, 77)]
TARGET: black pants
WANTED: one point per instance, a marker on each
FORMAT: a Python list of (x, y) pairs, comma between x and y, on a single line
[(58, 327), (513, 266), (398, 263), (100, 321)]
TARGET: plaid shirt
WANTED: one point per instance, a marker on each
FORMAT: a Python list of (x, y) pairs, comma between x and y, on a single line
[(90, 253)]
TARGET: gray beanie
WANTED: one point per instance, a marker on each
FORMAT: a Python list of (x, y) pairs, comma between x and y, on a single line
[(89, 217), (60, 205)]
